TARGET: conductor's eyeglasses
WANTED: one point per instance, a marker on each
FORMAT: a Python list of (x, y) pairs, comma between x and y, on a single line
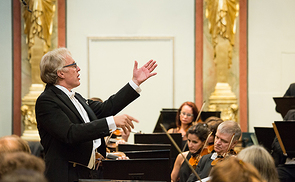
[(186, 114), (73, 64)]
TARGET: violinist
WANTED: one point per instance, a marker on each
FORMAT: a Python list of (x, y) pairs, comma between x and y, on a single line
[(212, 123), (196, 137), (227, 136), (185, 116), (233, 170)]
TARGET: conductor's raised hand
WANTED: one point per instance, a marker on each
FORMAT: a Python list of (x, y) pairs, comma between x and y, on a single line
[(125, 122), (143, 73)]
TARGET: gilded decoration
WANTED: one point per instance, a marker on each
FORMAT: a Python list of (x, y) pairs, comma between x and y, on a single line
[(38, 27), (221, 16), (39, 22)]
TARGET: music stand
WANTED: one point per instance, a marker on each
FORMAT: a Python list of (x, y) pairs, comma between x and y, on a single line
[(160, 138), (124, 147), (284, 104), (114, 180), (167, 118), (207, 114), (265, 136), (246, 139), (285, 134), (148, 154), (154, 169)]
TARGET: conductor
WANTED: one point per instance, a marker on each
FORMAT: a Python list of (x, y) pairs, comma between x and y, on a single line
[(71, 127)]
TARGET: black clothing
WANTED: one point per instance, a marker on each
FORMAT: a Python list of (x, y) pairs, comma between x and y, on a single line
[(290, 91), (203, 168), (286, 172), (185, 170)]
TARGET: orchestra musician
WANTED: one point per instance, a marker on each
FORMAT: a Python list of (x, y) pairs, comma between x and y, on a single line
[(185, 116), (196, 137), (227, 136), (71, 127), (234, 169), (212, 122), (261, 159)]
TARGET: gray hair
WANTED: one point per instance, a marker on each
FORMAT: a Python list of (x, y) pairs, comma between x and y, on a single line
[(51, 62), (230, 127), (262, 160)]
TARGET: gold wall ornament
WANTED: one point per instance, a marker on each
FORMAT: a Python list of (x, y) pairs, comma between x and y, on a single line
[(31, 132), (222, 22), (39, 22), (221, 15), (38, 29), (28, 109), (224, 100)]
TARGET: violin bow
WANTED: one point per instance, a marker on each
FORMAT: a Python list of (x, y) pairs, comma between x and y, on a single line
[(231, 140), (206, 142), (279, 139), (195, 121), (176, 146), (109, 137), (200, 111)]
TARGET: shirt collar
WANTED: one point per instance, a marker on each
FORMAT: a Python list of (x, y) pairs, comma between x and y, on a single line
[(214, 156), (66, 91)]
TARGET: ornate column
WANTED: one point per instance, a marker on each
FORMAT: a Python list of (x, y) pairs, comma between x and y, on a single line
[(38, 18), (222, 15)]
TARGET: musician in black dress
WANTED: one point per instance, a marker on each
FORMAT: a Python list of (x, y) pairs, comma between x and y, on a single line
[(197, 135)]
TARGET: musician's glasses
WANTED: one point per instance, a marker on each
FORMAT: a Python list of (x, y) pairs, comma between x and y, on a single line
[(186, 114)]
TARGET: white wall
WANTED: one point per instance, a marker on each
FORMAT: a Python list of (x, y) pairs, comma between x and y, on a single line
[(6, 68), (270, 47), (132, 18), (271, 51)]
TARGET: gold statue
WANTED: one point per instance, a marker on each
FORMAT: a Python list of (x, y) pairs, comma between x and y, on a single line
[(38, 24), (221, 15), (222, 25)]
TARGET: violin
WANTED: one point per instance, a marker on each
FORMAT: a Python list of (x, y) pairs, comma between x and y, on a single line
[(118, 137), (210, 148), (113, 143), (117, 132), (112, 140), (220, 159), (176, 146), (194, 160)]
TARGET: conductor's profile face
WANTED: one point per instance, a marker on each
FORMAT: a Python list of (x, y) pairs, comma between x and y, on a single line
[(69, 75)]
